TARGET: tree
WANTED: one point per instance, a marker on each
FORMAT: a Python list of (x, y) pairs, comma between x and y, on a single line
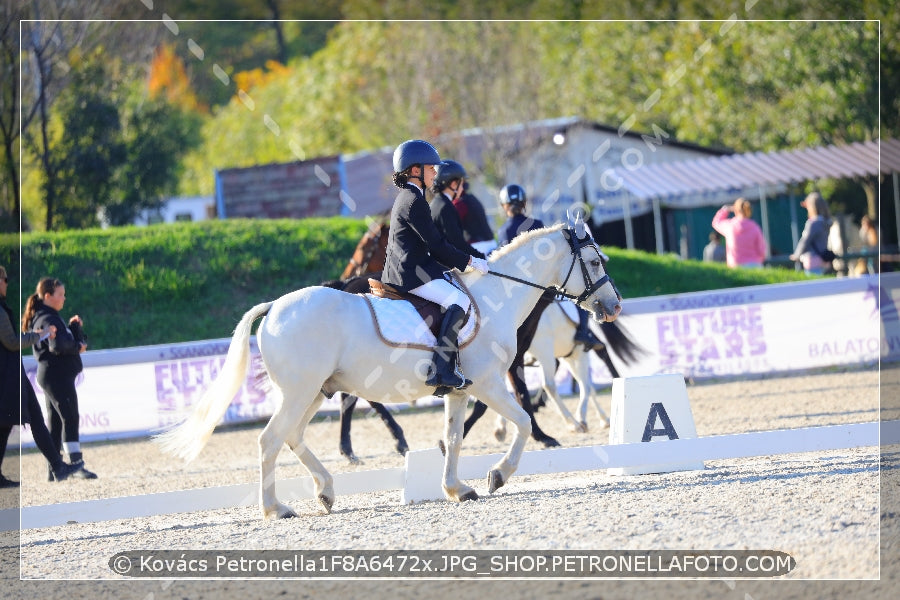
[(90, 149), (59, 30), (10, 206), (156, 135)]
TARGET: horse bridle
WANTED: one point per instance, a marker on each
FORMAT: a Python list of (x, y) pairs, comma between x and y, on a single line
[(589, 287)]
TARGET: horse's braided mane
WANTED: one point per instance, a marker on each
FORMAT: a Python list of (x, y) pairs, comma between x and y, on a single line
[(523, 239)]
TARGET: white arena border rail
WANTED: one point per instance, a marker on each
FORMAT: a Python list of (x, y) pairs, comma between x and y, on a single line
[(421, 479)]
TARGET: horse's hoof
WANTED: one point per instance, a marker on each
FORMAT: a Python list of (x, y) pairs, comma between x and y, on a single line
[(282, 511), (473, 495), (351, 458), (500, 434), (402, 448), (326, 503), (495, 481), (442, 447), (549, 442)]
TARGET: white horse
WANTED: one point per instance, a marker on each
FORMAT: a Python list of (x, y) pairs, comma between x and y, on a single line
[(317, 341)]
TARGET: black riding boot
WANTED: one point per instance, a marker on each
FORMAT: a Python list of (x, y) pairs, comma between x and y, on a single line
[(445, 371), (583, 333)]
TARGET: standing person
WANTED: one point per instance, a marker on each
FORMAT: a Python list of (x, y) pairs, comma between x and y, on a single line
[(814, 240), (18, 402), (474, 221), (744, 242), (59, 363), (447, 187), (417, 253), (714, 251)]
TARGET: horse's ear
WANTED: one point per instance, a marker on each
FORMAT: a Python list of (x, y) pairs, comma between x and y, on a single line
[(576, 218)]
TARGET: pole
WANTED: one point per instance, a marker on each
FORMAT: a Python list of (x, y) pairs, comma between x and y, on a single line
[(657, 226), (629, 230), (764, 215)]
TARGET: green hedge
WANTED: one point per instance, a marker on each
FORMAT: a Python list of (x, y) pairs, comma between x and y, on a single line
[(136, 286)]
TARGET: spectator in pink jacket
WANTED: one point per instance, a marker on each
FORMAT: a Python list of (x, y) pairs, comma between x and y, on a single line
[(744, 243)]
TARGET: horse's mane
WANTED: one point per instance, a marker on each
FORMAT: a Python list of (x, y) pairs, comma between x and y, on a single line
[(523, 239)]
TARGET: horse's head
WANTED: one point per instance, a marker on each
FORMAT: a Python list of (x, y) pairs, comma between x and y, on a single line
[(370, 252), (598, 292)]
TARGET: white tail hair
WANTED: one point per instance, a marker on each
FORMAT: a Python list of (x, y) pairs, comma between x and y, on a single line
[(188, 438)]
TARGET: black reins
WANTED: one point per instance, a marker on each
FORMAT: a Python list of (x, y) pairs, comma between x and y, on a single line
[(575, 245)]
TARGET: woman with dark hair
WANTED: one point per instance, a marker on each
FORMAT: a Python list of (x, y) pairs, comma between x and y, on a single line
[(18, 402), (59, 363)]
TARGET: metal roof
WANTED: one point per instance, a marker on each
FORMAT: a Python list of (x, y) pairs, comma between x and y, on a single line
[(703, 176)]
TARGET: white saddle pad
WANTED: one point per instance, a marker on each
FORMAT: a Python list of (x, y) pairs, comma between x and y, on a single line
[(401, 325)]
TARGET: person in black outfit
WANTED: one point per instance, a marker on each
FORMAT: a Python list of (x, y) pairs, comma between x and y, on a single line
[(447, 187), (59, 363), (512, 198), (417, 253), (18, 402), (474, 221)]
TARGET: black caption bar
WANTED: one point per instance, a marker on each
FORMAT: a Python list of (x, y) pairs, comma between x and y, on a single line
[(456, 563)]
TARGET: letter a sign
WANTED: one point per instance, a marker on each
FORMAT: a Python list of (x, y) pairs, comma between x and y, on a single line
[(652, 410), (658, 411)]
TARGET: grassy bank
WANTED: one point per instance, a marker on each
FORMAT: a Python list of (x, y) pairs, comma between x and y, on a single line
[(192, 281)]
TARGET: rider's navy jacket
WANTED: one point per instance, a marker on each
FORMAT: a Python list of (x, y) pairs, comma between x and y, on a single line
[(447, 220), (416, 251), (514, 226)]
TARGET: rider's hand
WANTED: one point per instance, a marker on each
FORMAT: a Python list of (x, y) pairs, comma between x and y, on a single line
[(479, 264)]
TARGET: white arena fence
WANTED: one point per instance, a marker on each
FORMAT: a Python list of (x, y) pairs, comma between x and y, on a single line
[(723, 333), (420, 480)]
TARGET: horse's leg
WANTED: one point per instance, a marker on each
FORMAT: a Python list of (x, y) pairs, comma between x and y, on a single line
[(322, 478), (477, 412), (517, 376), (550, 389), (348, 404), (454, 413), (603, 353), (506, 406), (500, 429), (289, 419), (542, 350), (524, 337), (392, 426)]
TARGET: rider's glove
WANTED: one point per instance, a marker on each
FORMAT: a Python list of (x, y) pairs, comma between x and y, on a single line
[(479, 264)]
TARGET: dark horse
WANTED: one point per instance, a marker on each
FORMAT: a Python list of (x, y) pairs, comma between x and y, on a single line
[(370, 252), (615, 337)]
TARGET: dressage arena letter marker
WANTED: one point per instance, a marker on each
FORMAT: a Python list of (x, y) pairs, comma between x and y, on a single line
[(651, 409)]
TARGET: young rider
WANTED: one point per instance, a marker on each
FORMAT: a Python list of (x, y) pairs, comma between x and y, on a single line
[(447, 187), (512, 199), (417, 253)]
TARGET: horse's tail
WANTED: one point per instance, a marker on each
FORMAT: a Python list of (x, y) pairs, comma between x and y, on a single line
[(188, 438), (619, 342)]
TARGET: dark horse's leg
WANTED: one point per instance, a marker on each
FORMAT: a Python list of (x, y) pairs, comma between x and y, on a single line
[(348, 404), (392, 425), (524, 337), (603, 354)]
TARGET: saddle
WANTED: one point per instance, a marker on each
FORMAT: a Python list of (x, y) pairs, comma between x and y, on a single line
[(397, 324), (430, 312)]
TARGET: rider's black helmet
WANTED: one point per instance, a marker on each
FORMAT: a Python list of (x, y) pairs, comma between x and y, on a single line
[(512, 194), (414, 152), (447, 171)]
